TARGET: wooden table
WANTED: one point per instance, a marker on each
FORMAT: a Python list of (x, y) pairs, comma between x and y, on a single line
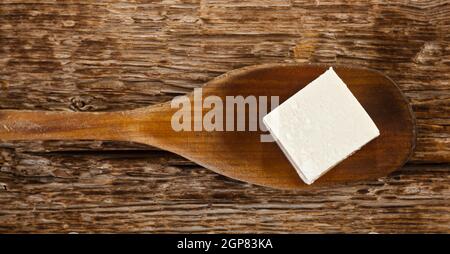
[(115, 55)]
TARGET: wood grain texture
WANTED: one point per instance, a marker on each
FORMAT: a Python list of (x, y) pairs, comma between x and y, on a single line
[(115, 55), (160, 192)]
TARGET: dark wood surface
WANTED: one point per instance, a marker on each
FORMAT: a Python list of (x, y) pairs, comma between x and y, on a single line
[(115, 55)]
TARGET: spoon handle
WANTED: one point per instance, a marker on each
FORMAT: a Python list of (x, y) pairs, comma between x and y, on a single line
[(49, 125)]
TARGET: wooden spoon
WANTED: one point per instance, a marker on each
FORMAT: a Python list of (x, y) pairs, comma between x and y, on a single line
[(240, 154)]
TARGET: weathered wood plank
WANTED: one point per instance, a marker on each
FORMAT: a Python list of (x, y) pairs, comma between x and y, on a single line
[(116, 55), (160, 192), (119, 55)]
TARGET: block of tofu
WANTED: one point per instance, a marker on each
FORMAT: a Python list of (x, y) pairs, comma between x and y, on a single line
[(320, 126)]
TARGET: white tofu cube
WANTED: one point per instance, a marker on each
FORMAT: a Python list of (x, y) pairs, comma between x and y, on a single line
[(320, 126)]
